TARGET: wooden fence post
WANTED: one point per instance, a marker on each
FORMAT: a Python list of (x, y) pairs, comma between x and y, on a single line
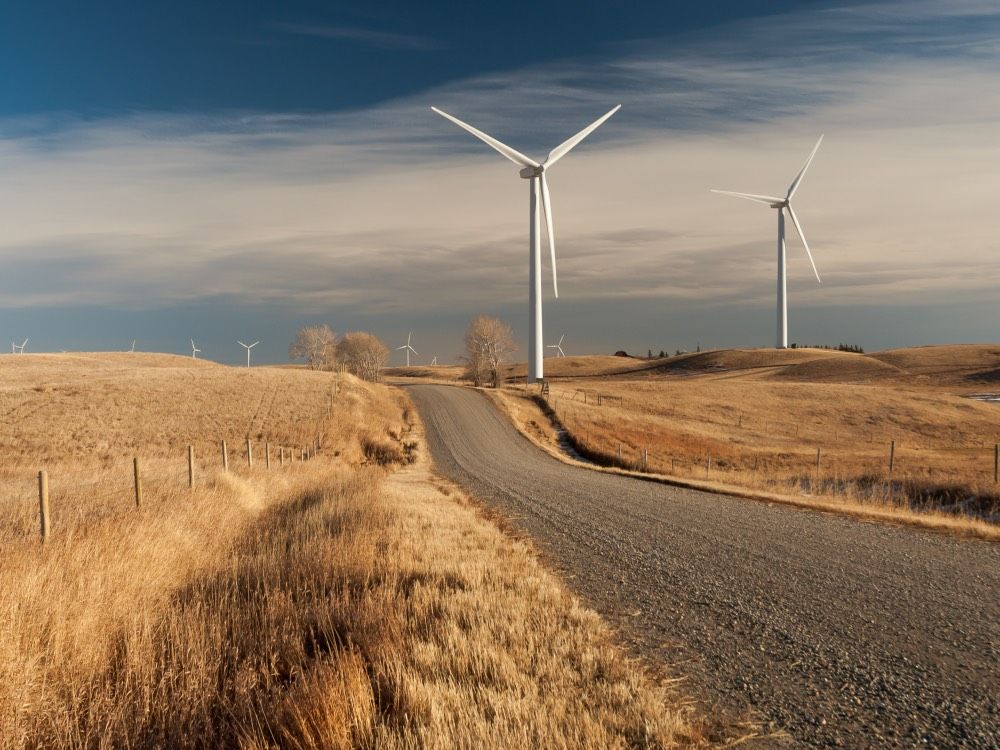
[(225, 457), (267, 455), (996, 462), (43, 503), (645, 459), (281, 455), (892, 456), (817, 458), (708, 466), (138, 481), (249, 454), (190, 467)]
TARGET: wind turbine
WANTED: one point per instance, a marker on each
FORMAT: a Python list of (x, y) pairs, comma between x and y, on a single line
[(408, 348), (783, 204), (248, 347), (558, 347), (18, 348), (194, 350), (131, 350), (434, 361), (539, 190)]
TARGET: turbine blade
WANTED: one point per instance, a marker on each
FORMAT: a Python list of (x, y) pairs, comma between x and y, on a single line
[(566, 146), (515, 156), (798, 178), (749, 196), (547, 207), (798, 228), (240, 343)]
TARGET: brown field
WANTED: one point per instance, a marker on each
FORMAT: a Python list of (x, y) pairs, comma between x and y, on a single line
[(339, 602), (756, 419)]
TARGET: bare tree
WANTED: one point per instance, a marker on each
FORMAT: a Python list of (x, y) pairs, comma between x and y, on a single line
[(488, 344), (364, 354), (317, 345)]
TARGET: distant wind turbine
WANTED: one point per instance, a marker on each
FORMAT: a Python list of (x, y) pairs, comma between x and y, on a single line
[(539, 190), (248, 347), (131, 350), (18, 348), (558, 347), (434, 361), (783, 204), (407, 348), (194, 350)]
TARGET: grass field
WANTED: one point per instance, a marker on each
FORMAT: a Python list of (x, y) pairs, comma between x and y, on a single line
[(757, 418), (340, 602)]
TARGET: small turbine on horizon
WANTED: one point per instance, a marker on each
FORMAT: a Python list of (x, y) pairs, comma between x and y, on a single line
[(539, 191), (194, 350), (248, 347), (783, 204), (434, 361), (18, 348), (131, 349), (558, 347), (407, 348)]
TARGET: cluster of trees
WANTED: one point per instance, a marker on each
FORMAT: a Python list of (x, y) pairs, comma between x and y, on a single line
[(839, 347), (363, 354), (489, 342)]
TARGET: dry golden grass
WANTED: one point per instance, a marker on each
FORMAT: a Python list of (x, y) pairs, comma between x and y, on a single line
[(755, 419), (315, 605)]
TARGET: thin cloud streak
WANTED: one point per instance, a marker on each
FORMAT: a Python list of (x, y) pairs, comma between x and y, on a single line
[(373, 37)]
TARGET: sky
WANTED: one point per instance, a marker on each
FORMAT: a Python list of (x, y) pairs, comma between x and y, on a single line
[(231, 170)]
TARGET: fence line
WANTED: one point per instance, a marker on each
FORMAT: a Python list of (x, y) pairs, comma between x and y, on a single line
[(141, 480)]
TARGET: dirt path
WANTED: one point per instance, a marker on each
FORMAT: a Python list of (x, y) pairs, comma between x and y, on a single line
[(840, 632)]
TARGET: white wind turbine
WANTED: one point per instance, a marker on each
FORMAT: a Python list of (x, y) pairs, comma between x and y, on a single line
[(18, 348), (407, 348), (248, 347), (783, 204), (558, 347), (434, 361), (131, 350), (539, 190), (194, 350)]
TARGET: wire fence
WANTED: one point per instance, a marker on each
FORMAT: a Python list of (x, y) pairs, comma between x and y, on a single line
[(59, 493), (962, 478)]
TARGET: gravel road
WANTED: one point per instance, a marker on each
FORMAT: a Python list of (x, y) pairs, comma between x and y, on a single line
[(840, 632)]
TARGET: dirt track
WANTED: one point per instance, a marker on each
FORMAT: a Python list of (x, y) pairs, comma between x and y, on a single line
[(839, 632)]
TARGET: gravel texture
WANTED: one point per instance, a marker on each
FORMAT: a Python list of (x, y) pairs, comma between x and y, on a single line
[(839, 632)]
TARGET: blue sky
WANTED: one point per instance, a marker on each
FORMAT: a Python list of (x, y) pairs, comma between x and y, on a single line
[(234, 170), (106, 58)]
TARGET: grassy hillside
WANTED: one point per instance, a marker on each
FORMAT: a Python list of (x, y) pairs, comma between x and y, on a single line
[(758, 418), (340, 602)]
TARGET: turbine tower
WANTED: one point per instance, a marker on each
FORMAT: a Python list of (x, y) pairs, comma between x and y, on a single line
[(18, 348), (558, 347), (783, 204), (194, 350), (538, 190), (434, 361), (407, 348), (132, 348), (248, 347)]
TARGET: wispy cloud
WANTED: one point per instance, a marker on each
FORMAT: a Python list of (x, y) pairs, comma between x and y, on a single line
[(373, 37), (394, 210)]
